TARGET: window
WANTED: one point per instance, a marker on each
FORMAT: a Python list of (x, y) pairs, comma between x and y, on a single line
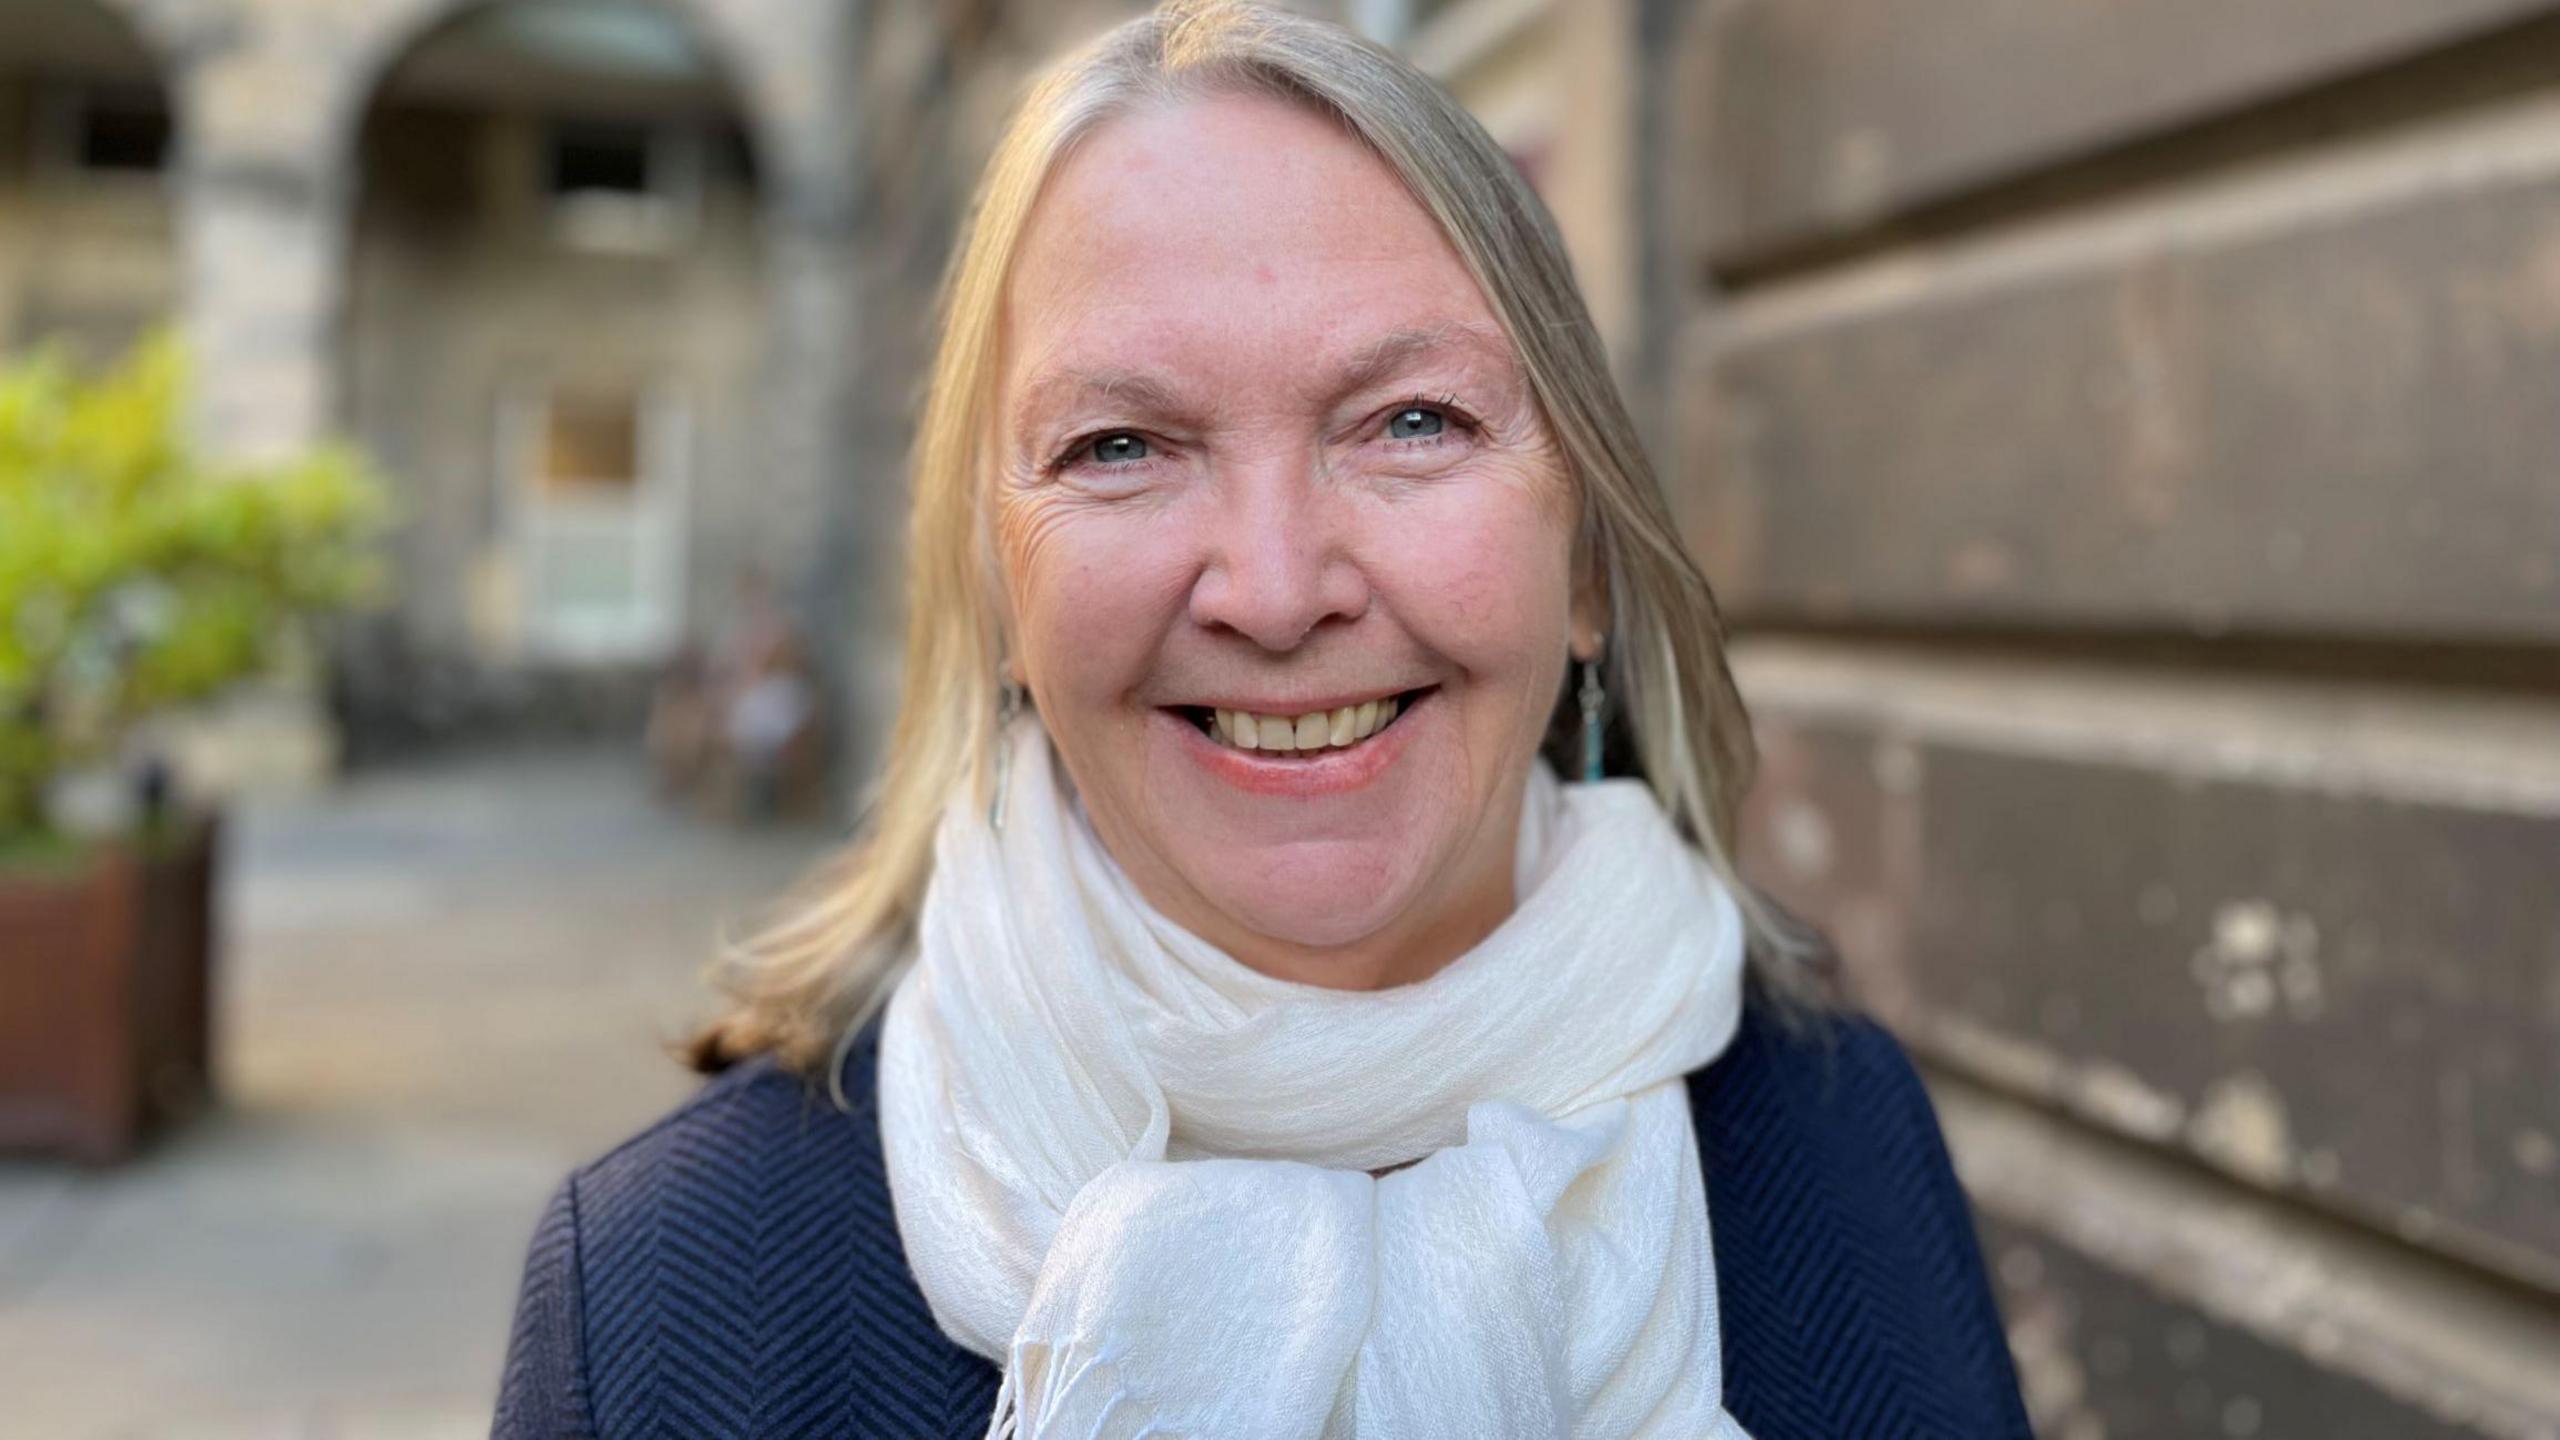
[(599, 519), (123, 128), (104, 128), (626, 187), (590, 442), (599, 159)]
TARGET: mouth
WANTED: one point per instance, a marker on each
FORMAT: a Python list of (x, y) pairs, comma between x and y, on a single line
[(1309, 736)]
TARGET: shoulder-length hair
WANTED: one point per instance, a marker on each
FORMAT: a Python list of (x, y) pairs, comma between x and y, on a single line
[(828, 963)]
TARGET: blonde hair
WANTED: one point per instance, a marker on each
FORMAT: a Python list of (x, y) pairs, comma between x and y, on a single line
[(827, 965)]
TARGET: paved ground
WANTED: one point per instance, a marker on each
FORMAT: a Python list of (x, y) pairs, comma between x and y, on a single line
[(441, 989)]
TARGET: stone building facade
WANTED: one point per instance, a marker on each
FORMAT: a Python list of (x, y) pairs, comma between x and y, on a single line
[(2123, 434), (581, 274)]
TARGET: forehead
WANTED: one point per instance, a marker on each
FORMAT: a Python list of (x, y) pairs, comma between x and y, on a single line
[(1239, 231)]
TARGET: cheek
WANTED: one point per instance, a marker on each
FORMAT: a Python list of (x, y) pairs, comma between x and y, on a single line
[(1090, 592), (1489, 580)]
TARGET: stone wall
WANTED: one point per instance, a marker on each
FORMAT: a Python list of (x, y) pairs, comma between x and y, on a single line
[(2122, 433)]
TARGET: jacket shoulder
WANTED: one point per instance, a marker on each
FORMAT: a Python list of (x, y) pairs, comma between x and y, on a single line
[(738, 1271), (1849, 1277), (741, 1114)]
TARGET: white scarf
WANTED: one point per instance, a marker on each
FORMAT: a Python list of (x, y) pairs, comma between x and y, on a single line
[(1133, 1170)]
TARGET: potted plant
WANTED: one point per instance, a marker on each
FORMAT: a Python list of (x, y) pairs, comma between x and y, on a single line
[(136, 578)]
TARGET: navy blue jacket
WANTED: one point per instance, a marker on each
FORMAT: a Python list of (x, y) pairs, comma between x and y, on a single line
[(734, 1269)]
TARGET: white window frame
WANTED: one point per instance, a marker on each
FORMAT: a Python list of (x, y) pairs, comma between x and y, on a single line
[(659, 513)]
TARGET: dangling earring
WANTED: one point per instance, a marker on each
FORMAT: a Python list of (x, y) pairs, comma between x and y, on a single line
[(1008, 705), (1595, 702)]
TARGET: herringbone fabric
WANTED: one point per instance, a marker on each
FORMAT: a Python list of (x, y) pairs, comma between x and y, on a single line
[(734, 1270)]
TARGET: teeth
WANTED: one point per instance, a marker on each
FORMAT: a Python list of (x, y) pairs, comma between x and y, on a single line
[(1317, 730)]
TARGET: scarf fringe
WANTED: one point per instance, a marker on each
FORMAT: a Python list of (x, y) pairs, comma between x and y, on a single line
[(1007, 1422)]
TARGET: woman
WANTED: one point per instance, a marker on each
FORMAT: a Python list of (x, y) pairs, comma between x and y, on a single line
[(1234, 1026)]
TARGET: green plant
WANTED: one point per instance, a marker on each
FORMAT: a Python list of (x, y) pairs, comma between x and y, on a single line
[(136, 575)]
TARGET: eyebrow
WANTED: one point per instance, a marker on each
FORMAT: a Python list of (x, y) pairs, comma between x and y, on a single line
[(1369, 365)]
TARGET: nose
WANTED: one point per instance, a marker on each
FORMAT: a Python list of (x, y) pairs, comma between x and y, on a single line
[(1278, 562)]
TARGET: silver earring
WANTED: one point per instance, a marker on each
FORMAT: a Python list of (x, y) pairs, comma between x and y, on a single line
[(1595, 702), (1008, 706)]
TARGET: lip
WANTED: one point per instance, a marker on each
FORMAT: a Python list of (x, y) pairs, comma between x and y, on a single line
[(1333, 772)]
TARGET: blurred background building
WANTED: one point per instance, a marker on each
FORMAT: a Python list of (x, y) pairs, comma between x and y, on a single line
[(2125, 436), (580, 273)]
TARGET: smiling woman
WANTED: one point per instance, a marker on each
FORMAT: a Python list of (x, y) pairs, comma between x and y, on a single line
[(1254, 1033), (1318, 485)]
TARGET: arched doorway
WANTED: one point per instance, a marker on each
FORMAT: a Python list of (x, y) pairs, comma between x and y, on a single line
[(556, 326), (87, 255)]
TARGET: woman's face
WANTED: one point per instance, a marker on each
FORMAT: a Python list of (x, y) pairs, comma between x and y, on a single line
[(1269, 463)]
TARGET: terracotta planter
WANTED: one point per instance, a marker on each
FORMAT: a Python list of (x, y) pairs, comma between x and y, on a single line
[(106, 969)]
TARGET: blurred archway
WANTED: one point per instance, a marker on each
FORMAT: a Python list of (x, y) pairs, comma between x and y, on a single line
[(556, 329)]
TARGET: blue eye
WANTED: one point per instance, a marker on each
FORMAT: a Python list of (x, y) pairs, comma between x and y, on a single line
[(1414, 422), (1118, 448)]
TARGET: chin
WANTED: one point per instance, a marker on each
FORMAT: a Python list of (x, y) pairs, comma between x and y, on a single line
[(1318, 895)]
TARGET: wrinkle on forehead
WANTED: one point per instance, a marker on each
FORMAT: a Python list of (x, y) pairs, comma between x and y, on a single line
[(1393, 351)]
